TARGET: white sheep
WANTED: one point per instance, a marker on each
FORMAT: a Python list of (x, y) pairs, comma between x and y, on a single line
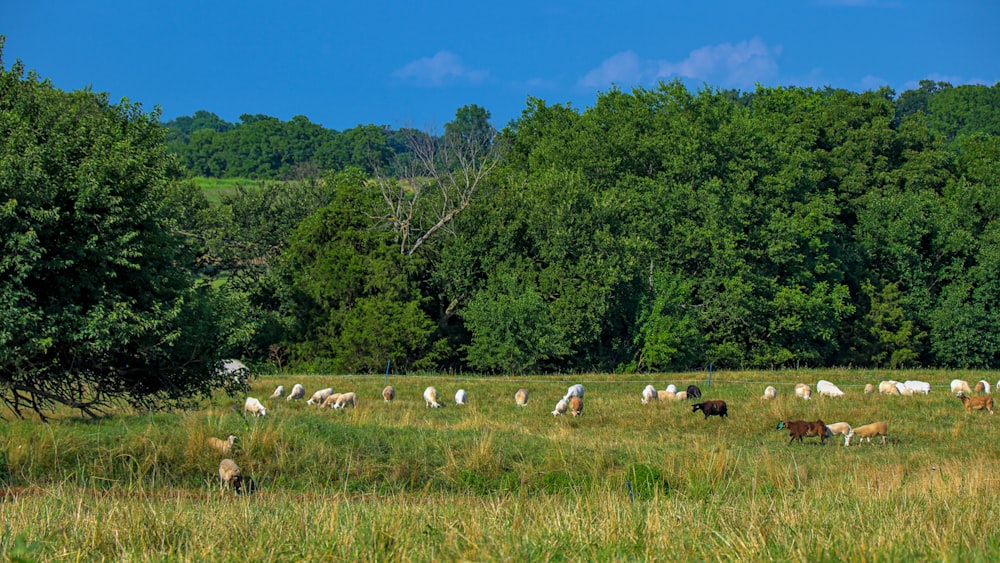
[(319, 396), (298, 392), (461, 397), (869, 388), (680, 395), (230, 475), (254, 407), (828, 389), (803, 391), (915, 386), (576, 405), (769, 393), (983, 386), (960, 385), (649, 394), (671, 388), (841, 428), (279, 392), (221, 446), (389, 393), (666, 395), (574, 391), (345, 400), (869, 431), (521, 397), (431, 398), (561, 407), (888, 388), (331, 401)]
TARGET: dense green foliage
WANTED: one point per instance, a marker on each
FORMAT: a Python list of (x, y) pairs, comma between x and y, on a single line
[(97, 301), (662, 229)]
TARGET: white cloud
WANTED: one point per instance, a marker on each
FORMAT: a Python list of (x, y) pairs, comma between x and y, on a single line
[(739, 65), (441, 69)]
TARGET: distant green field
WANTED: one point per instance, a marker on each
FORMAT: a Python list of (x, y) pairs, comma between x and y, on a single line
[(214, 188), (492, 481)]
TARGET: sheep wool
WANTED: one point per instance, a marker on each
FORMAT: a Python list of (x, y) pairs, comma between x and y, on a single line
[(649, 394), (254, 407), (298, 392), (345, 400), (279, 392), (221, 446), (230, 475), (869, 389), (461, 397), (803, 391), (576, 406), (331, 401), (430, 398), (521, 397), (389, 393), (842, 428), (319, 396), (960, 385), (769, 393), (869, 431), (561, 407)]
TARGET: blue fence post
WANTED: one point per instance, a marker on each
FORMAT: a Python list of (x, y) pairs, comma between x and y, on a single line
[(387, 372), (709, 375)]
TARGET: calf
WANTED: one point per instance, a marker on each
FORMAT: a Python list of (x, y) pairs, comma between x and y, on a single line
[(983, 402), (717, 408), (800, 428)]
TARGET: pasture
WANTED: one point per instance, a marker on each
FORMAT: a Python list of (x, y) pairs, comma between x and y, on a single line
[(491, 481)]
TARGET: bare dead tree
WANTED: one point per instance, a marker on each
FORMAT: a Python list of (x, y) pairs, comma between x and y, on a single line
[(436, 181)]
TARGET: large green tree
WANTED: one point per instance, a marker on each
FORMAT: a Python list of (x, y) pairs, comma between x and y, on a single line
[(97, 303)]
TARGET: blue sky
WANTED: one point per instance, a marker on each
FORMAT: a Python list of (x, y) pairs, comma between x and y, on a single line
[(414, 63)]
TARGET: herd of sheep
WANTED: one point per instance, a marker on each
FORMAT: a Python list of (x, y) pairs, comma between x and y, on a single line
[(231, 476)]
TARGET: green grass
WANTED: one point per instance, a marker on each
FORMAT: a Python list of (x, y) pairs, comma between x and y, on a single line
[(215, 188), (494, 482)]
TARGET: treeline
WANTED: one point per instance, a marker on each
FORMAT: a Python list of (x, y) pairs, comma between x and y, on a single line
[(660, 229), (265, 148), (261, 147)]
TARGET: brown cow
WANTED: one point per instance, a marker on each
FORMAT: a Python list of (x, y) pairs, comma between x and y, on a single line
[(800, 428)]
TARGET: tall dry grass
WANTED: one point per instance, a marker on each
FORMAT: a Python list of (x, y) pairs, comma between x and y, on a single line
[(492, 481)]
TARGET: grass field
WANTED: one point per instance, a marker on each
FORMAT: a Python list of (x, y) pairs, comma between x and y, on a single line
[(491, 481), (215, 188)]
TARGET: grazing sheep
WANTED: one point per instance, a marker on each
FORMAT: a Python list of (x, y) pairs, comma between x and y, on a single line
[(319, 396), (983, 402), (680, 395), (672, 388), (431, 398), (803, 391), (769, 393), (521, 397), (711, 408), (960, 385), (330, 402), (298, 392), (388, 394), (345, 400), (574, 391), (461, 397), (888, 388), (254, 407), (279, 392), (840, 428), (693, 392), (221, 446), (561, 407), (869, 388), (869, 431), (983, 386), (828, 389), (230, 475), (576, 405), (917, 386), (666, 395), (649, 394), (800, 428)]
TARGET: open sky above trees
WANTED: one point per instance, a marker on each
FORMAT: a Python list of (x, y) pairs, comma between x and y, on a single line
[(403, 63)]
